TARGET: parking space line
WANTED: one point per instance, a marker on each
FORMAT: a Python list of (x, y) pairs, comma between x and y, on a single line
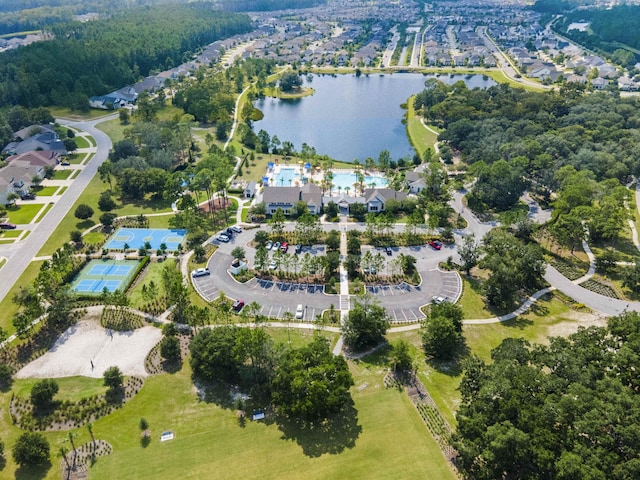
[(270, 309)]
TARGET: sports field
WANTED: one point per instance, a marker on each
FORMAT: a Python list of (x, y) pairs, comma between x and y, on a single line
[(136, 238), (100, 274)]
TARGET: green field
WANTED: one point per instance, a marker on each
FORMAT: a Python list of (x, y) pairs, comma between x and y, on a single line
[(24, 213), (81, 142), (419, 136), (62, 174), (44, 212), (47, 191)]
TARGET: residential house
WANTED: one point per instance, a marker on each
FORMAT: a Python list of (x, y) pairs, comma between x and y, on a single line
[(415, 182), (47, 140)]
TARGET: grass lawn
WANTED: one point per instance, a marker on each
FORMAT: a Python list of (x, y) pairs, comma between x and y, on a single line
[(62, 174), (44, 212), (152, 272), (62, 190), (93, 238), (113, 129), (387, 437), (10, 233), (419, 136), (7, 307), (47, 191), (160, 221), (471, 301), (63, 112), (81, 142), (71, 388), (24, 213)]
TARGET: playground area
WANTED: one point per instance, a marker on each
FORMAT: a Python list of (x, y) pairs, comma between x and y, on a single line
[(100, 274), (135, 238)]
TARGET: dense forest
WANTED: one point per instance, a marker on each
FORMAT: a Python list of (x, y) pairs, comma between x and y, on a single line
[(569, 410), (609, 31), (96, 57)]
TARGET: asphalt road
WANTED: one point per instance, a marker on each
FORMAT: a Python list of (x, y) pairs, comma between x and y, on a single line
[(19, 258)]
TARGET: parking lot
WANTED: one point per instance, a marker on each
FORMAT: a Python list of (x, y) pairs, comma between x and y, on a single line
[(402, 301)]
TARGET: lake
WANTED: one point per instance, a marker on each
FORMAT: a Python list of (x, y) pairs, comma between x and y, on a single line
[(351, 117)]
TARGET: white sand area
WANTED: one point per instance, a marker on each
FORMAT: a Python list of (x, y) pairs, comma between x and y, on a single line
[(87, 342)]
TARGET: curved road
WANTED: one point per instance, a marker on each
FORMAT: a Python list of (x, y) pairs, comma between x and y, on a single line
[(20, 257)]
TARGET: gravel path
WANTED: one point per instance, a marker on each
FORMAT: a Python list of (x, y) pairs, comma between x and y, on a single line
[(88, 342)]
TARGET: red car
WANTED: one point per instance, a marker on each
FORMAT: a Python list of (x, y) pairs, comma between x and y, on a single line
[(284, 247), (435, 244)]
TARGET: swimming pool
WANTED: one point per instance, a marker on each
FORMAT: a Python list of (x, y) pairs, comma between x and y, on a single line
[(347, 179), (286, 177)]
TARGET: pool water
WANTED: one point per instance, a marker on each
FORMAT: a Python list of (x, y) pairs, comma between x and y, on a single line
[(285, 177), (347, 179)]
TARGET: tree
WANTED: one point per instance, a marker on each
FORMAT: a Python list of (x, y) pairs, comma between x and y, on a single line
[(261, 238), (290, 81), (5, 377), (261, 258), (238, 253), (106, 203), (76, 237), (333, 241), (70, 145), (442, 331), (123, 115), (42, 394), (469, 252), (170, 348), (107, 219), (401, 358), (83, 211), (311, 383), (31, 448), (366, 324), (331, 210), (277, 222), (212, 354), (113, 378)]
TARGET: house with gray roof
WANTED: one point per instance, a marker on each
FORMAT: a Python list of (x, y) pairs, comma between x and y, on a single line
[(376, 198), (286, 198), (47, 141)]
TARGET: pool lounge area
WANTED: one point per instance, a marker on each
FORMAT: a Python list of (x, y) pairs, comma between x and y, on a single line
[(344, 180)]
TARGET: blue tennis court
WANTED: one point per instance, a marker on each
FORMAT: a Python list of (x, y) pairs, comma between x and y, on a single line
[(136, 238), (97, 286), (98, 275), (114, 270)]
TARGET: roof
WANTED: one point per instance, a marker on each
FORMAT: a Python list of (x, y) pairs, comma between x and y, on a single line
[(251, 186), (31, 130), (40, 158), (281, 195), (311, 194), (383, 194), (47, 141)]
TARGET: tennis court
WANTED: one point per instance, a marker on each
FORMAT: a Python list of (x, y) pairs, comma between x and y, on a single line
[(136, 238), (100, 274)]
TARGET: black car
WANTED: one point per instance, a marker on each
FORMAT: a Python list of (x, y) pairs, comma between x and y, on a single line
[(298, 248), (230, 232), (28, 196), (388, 250)]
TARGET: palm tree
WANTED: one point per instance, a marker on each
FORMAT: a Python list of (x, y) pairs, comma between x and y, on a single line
[(73, 445), (93, 440), (62, 452), (346, 189)]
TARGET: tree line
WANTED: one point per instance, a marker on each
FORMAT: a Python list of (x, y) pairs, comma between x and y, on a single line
[(91, 58)]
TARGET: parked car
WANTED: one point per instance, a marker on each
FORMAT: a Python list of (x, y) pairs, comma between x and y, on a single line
[(388, 250), (7, 226), (200, 272), (273, 265), (438, 299), (28, 196), (276, 246), (223, 238), (298, 248), (365, 269), (230, 232), (373, 270), (435, 244), (65, 163), (284, 247), (237, 306), (236, 229), (299, 312), (268, 245)]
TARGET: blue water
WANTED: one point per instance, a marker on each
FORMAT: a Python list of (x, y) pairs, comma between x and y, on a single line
[(344, 179), (285, 178), (351, 117)]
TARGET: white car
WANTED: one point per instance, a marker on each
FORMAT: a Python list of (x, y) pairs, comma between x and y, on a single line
[(273, 265), (223, 238), (200, 272), (299, 312), (438, 299), (268, 245), (236, 229)]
